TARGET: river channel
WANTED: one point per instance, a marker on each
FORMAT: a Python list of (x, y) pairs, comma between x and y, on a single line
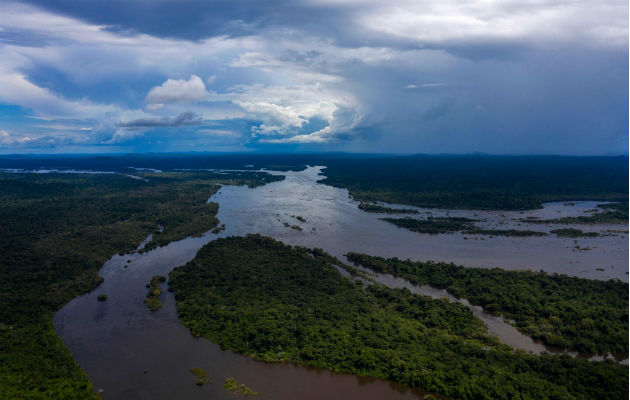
[(132, 353)]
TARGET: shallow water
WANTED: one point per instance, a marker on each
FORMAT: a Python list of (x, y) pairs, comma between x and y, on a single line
[(130, 352)]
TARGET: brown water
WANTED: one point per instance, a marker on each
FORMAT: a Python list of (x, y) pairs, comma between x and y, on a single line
[(335, 224), (132, 353)]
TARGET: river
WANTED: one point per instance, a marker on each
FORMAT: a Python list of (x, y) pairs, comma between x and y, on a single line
[(130, 352)]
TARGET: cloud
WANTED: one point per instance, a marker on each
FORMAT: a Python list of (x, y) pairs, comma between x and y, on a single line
[(178, 90), (17, 89), (328, 71), (290, 69), (285, 110), (187, 118), (218, 132), (449, 22), (360, 21), (5, 138)]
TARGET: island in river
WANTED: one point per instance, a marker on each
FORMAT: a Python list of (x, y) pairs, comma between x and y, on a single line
[(89, 217), (279, 303)]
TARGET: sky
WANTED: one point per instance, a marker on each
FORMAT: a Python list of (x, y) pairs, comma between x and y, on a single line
[(397, 76)]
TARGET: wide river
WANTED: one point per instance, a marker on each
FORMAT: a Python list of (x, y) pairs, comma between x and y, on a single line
[(132, 353)]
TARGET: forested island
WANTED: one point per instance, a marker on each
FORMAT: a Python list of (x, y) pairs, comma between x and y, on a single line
[(58, 230), (279, 303), (282, 304), (573, 233), (153, 296), (433, 225), (436, 225), (376, 208), (589, 316)]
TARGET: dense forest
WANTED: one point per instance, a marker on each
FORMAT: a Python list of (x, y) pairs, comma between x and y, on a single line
[(57, 231), (443, 181), (480, 182), (278, 303), (589, 316)]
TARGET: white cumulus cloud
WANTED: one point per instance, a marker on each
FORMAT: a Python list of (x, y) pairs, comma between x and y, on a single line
[(283, 110), (176, 90)]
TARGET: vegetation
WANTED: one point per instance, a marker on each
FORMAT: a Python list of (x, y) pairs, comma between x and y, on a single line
[(433, 225), (480, 182), (573, 233), (101, 297), (589, 316), (296, 227), (277, 303), (471, 182), (218, 229), (57, 231), (503, 232), (232, 385), (187, 216), (153, 297), (614, 213), (375, 208), (202, 376), (166, 162)]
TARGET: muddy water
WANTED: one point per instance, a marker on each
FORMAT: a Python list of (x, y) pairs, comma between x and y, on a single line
[(335, 224), (130, 352)]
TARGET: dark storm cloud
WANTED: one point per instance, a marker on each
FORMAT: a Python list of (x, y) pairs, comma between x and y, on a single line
[(189, 19)]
